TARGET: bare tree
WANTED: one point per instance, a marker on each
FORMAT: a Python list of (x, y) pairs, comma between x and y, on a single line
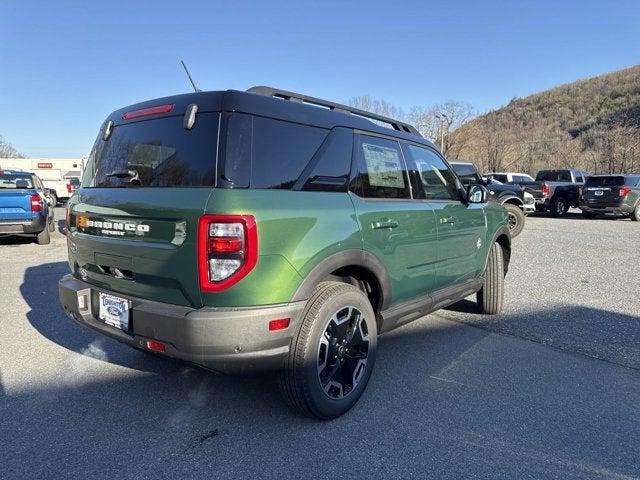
[(7, 150), (377, 105), (440, 123)]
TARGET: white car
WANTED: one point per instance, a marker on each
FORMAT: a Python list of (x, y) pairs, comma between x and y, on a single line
[(529, 204), (511, 177)]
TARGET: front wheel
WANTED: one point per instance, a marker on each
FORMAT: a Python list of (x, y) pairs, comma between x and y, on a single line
[(491, 296), (515, 218), (331, 357)]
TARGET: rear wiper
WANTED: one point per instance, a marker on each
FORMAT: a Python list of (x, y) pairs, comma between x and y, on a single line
[(131, 174)]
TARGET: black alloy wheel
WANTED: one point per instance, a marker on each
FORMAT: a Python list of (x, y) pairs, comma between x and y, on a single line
[(343, 352)]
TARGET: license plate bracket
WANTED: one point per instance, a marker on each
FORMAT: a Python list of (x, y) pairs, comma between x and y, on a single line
[(114, 311)]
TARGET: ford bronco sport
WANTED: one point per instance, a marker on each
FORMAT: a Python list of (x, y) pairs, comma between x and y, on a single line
[(267, 231)]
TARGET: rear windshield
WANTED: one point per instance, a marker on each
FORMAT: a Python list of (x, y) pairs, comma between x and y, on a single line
[(553, 176), (15, 181), (156, 153), (612, 181), (499, 177)]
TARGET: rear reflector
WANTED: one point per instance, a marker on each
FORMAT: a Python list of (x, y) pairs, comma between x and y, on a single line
[(280, 324), (144, 112), (156, 346)]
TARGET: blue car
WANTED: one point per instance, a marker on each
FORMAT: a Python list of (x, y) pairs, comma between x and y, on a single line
[(24, 206)]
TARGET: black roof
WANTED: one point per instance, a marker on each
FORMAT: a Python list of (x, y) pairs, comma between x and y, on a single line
[(267, 105)]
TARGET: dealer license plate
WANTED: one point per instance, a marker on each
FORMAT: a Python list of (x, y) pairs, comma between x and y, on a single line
[(114, 311)]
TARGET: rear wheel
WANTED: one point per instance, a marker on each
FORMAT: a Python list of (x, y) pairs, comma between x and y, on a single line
[(491, 296), (558, 206), (43, 238), (331, 357), (516, 219), (635, 216), (52, 225), (54, 199)]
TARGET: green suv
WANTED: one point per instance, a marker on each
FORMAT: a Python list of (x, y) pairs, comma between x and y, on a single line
[(263, 231)]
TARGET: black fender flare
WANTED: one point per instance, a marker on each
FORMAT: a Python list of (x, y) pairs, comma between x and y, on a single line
[(502, 231), (508, 198), (346, 258)]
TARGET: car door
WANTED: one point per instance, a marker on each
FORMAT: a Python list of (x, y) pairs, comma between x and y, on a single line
[(461, 227), (399, 231)]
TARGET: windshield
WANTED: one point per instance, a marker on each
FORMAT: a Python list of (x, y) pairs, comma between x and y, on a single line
[(466, 173), (156, 153), (9, 180)]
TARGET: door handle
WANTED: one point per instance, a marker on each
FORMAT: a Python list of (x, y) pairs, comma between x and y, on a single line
[(384, 223), (450, 220)]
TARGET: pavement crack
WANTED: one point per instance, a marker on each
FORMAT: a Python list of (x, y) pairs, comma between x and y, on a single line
[(200, 440)]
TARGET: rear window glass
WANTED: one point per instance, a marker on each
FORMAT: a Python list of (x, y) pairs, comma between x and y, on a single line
[(613, 181), (265, 153), (554, 176), (15, 181), (499, 177), (156, 153)]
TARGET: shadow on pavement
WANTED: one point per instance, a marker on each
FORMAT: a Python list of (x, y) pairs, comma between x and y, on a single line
[(445, 401)]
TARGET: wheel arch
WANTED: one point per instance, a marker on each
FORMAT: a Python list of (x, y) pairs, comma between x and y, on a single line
[(512, 199), (356, 267), (503, 238)]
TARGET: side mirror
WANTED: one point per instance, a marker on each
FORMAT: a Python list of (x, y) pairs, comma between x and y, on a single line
[(476, 194)]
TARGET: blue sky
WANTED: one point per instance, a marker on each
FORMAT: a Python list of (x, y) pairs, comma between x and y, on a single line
[(65, 65)]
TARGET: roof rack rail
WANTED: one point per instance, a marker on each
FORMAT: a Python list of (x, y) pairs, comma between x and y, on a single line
[(298, 97)]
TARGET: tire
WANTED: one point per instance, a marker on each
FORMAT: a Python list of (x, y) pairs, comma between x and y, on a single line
[(43, 238), (330, 310), (589, 215), (635, 216), (516, 219), (52, 225), (558, 206), (491, 296), (54, 199)]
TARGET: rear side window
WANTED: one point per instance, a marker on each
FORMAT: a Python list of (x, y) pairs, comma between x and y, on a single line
[(499, 177), (265, 153), (437, 181), (381, 169), (632, 182), (156, 153), (329, 169), (553, 176), (520, 179), (608, 181)]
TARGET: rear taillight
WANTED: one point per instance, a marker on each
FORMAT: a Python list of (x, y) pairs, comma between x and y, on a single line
[(227, 250), (624, 191), (69, 188), (36, 203), (545, 190)]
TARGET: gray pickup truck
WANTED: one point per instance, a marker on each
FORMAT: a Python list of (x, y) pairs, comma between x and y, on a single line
[(556, 191)]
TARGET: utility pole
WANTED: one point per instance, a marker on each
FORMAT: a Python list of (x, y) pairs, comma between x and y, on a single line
[(443, 118)]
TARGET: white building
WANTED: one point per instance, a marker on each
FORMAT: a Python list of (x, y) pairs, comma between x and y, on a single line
[(68, 167)]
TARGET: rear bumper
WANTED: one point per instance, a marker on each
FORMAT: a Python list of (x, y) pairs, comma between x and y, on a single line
[(233, 341), (34, 225), (620, 209)]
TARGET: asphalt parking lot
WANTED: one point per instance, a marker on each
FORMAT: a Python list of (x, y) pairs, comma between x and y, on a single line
[(549, 389)]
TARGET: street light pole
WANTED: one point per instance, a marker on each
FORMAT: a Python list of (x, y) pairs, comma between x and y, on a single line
[(443, 117)]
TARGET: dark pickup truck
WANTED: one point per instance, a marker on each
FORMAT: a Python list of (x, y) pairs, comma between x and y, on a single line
[(556, 191)]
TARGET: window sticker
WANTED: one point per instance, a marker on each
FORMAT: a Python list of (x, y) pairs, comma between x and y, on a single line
[(383, 166)]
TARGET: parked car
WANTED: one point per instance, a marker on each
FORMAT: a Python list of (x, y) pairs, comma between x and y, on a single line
[(617, 194), (511, 177), (288, 245), (511, 197), (529, 206), (24, 208), (59, 187), (556, 191)]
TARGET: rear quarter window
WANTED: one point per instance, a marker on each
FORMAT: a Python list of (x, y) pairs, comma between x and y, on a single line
[(265, 153)]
